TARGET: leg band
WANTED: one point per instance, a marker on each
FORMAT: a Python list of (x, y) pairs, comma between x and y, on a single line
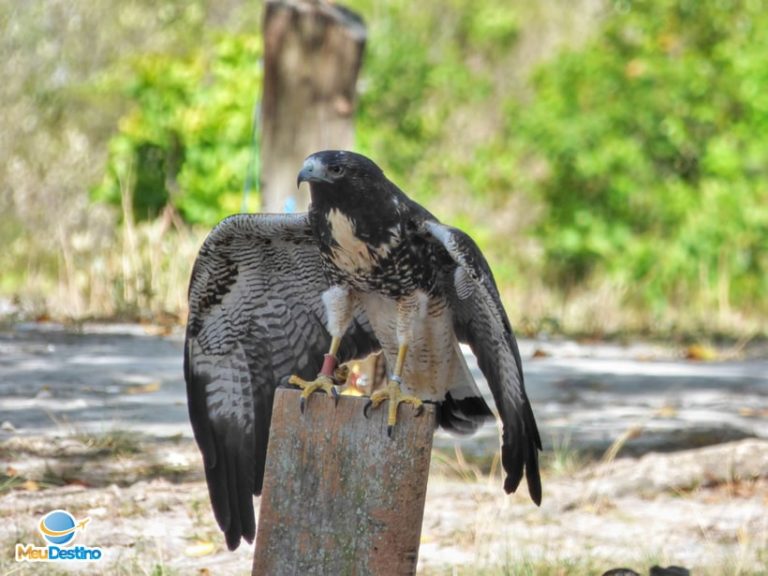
[(329, 365)]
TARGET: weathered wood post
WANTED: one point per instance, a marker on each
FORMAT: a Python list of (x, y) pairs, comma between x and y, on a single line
[(313, 51), (339, 495)]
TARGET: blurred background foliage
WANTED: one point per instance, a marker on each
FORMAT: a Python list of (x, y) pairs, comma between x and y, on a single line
[(610, 157), (657, 176), (186, 141)]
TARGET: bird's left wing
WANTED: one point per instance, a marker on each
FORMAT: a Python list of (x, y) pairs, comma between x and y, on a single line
[(479, 320), (255, 318)]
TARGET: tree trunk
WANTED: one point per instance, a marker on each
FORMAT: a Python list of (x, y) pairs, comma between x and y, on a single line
[(312, 55)]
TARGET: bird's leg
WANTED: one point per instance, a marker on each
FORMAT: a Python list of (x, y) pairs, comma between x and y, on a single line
[(406, 312), (339, 307), (325, 379)]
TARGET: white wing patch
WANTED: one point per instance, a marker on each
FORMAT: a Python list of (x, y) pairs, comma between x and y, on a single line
[(447, 238), (463, 283)]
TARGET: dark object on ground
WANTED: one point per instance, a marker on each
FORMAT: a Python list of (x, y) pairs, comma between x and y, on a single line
[(655, 571), (670, 571)]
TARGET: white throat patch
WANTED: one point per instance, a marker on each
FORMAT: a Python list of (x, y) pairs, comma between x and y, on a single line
[(352, 253)]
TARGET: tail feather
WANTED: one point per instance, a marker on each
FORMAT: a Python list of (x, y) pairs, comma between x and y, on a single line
[(463, 416), (464, 409)]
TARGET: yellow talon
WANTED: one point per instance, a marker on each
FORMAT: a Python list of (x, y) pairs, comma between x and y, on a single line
[(322, 382), (396, 397)]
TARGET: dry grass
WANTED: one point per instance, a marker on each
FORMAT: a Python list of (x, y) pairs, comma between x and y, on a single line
[(526, 567), (95, 267), (112, 443), (140, 271), (143, 274)]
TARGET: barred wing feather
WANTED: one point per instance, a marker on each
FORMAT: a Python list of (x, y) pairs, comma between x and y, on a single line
[(255, 318)]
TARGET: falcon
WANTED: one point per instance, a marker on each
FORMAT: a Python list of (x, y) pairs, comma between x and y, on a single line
[(285, 299)]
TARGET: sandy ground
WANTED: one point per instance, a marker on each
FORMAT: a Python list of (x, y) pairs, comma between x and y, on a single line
[(71, 404), (705, 509)]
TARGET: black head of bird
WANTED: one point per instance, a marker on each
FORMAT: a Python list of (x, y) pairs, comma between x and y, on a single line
[(340, 172)]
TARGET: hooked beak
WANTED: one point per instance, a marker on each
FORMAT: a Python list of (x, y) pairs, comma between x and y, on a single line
[(312, 171)]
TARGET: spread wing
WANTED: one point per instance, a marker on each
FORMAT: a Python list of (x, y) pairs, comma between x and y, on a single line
[(255, 318), (481, 322)]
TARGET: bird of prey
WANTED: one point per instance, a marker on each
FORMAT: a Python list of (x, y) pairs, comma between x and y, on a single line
[(365, 269)]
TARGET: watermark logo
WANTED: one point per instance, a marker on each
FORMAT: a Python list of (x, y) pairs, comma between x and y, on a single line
[(59, 529)]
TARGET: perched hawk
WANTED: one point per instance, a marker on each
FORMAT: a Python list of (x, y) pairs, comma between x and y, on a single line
[(279, 298)]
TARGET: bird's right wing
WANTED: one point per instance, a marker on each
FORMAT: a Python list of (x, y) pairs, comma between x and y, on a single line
[(255, 317)]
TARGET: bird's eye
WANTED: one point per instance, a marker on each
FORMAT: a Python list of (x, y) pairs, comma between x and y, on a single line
[(336, 170)]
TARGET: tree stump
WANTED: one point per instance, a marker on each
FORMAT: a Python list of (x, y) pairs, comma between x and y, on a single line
[(312, 55), (339, 495)]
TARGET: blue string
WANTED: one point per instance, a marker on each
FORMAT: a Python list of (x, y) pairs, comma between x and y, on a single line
[(254, 167)]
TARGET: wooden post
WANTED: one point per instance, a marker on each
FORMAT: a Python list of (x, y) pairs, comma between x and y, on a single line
[(340, 496), (313, 51)]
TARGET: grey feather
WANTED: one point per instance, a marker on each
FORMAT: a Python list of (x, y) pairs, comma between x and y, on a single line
[(255, 318)]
